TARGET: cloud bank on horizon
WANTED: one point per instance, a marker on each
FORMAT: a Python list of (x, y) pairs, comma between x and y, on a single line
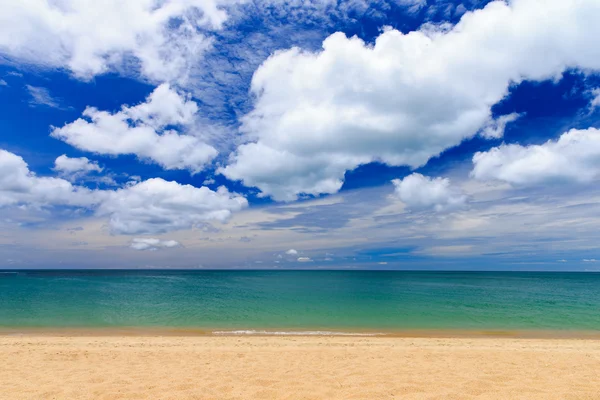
[(369, 133)]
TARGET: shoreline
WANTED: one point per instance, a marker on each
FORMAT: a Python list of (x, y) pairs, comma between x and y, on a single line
[(276, 332)]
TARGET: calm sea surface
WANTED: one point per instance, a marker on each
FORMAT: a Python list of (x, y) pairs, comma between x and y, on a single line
[(300, 300)]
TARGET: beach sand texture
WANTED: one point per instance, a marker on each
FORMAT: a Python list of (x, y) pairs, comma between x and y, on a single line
[(47, 367)]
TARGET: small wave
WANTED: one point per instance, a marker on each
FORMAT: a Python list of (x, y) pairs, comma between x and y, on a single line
[(295, 333)]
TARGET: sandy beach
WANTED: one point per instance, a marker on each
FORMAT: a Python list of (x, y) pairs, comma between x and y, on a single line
[(205, 367)]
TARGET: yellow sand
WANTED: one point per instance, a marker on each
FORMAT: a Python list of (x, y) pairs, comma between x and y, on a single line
[(38, 367)]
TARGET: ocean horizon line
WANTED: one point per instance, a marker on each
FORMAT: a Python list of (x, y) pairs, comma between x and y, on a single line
[(586, 271)]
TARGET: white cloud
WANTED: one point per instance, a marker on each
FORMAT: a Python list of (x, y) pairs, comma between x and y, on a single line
[(404, 99), (304, 259), (291, 252), (160, 39), (158, 206), (283, 174), (147, 207), (18, 185), (592, 260), (41, 96), (3, 82), (420, 192), (573, 157), (142, 130), (596, 98), (494, 129), (152, 244), (75, 168)]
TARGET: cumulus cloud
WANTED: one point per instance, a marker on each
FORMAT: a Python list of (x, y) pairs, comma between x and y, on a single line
[(158, 206), (421, 192), (283, 174), (573, 157), (75, 168), (304, 259), (148, 207), (291, 252), (152, 244), (404, 99), (19, 185), (143, 130), (160, 39)]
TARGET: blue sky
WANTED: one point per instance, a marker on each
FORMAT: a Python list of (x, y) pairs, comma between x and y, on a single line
[(410, 134)]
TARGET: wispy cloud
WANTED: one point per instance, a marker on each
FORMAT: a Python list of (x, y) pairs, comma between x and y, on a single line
[(40, 96), (595, 102)]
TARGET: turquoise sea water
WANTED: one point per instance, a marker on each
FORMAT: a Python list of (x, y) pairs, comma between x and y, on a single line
[(300, 300)]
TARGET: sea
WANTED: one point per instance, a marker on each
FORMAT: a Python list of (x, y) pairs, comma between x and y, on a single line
[(300, 302)]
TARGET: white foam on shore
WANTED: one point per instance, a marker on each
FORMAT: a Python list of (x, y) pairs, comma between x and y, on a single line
[(294, 333)]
